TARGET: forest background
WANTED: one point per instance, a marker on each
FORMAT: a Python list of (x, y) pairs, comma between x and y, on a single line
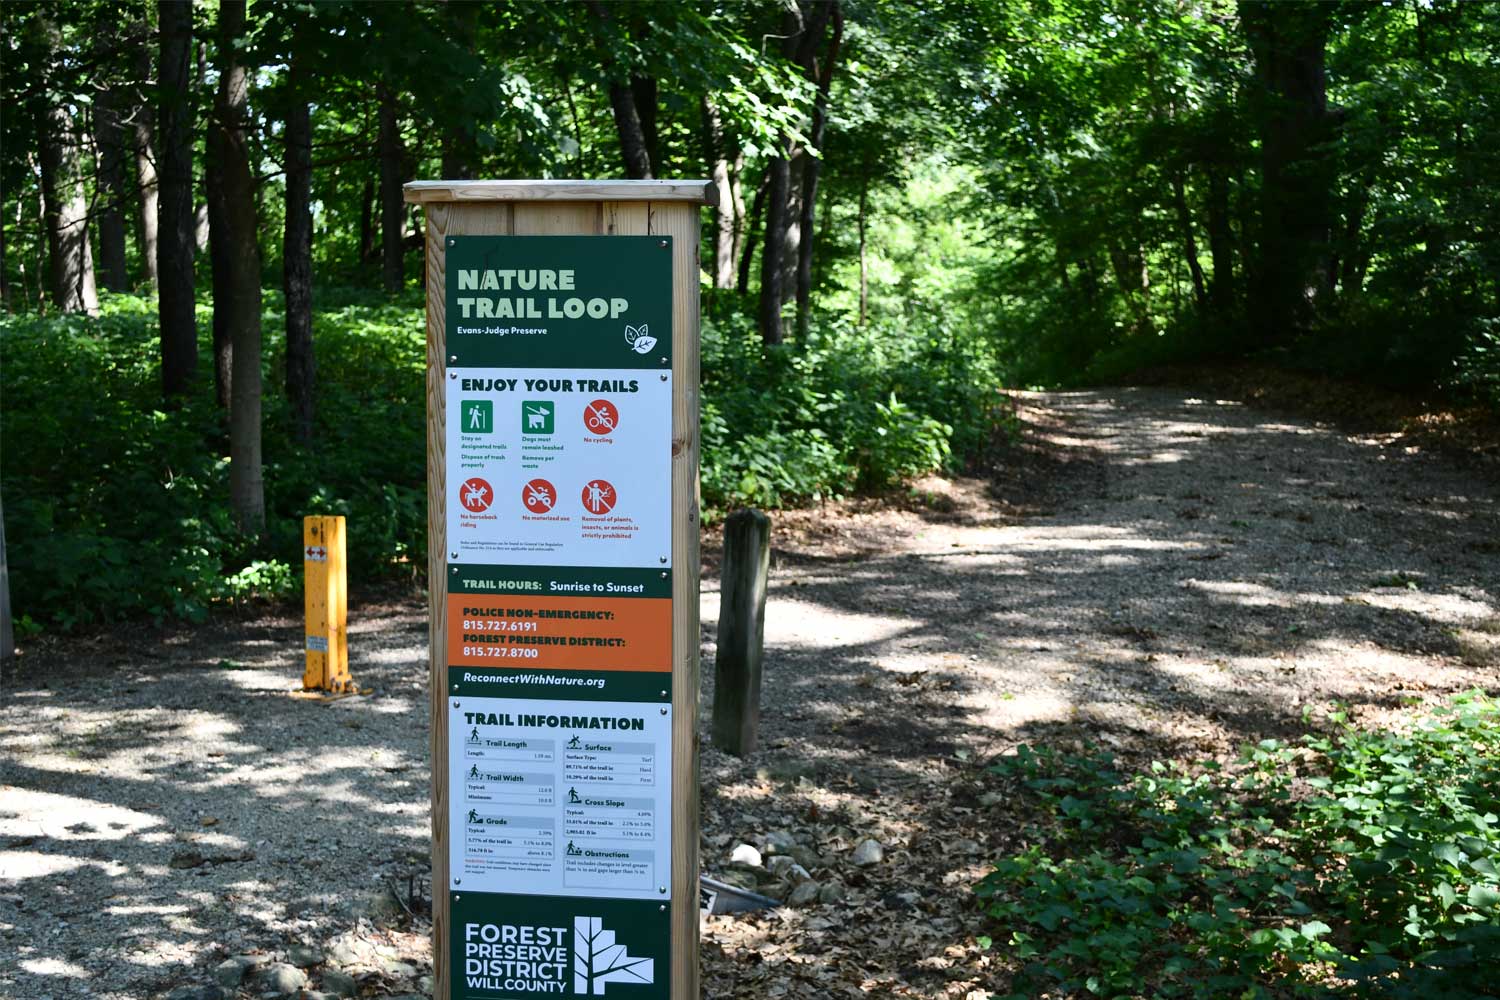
[(212, 314)]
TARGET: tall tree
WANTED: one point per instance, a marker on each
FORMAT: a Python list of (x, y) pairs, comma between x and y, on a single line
[(175, 247), (1294, 271), (802, 32), (822, 72), (392, 209), (296, 254), (729, 209), (110, 104), (237, 270), (145, 156), (626, 95), (63, 201)]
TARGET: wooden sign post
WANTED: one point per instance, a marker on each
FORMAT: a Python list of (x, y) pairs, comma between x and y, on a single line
[(562, 484)]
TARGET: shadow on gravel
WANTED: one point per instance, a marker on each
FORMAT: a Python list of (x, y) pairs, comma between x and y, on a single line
[(167, 802)]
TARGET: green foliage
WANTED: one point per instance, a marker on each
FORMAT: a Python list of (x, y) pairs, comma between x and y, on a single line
[(1361, 864), (854, 407), (129, 515), (115, 507)]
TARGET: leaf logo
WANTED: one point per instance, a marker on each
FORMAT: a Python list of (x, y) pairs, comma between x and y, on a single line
[(598, 961), (639, 338)]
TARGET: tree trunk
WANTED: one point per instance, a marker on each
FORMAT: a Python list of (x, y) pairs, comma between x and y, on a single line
[(810, 169), (145, 158), (64, 209), (1189, 243), (72, 264), (633, 148), (296, 255), (460, 156), (179, 333), (752, 229), (864, 276), (636, 147), (773, 251), (237, 292), (643, 89), (803, 28), (221, 254), (725, 222), (367, 222), (1220, 243), (109, 136), (1288, 41), (392, 214)]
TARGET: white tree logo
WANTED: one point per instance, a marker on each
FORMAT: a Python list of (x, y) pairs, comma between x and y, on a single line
[(597, 960)]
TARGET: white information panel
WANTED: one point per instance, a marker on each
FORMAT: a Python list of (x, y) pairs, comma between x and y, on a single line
[(561, 798), (559, 467)]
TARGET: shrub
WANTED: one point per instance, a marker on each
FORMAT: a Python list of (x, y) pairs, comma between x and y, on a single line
[(1363, 864)]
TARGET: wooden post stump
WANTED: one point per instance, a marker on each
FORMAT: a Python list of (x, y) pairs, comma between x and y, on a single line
[(742, 631)]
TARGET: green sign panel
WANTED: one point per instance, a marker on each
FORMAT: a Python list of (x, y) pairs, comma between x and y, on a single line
[(560, 947), (560, 301)]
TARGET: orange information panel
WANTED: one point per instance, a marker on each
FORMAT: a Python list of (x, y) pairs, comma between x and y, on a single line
[(559, 633)]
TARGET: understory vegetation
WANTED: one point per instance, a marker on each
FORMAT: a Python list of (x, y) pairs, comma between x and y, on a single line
[(114, 504), (1359, 863)]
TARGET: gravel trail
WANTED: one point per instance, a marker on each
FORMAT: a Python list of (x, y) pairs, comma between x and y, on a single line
[(1159, 572)]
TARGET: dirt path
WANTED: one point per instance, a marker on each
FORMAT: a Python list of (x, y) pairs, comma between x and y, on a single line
[(1161, 573)]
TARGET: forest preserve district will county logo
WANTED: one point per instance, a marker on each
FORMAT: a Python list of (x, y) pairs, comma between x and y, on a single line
[(507, 958)]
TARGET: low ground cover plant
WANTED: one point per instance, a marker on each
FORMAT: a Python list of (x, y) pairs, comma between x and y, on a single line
[(1361, 863)]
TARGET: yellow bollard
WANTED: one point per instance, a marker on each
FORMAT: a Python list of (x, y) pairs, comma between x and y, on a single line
[(327, 604)]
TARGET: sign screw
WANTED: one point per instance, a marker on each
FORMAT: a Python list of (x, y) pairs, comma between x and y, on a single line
[(455, 687), (663, 360), (663, 574), (664, 376), (662, 889), (663, 694), (455, 704), (662, 244), (662, 907), (453, 359), (453, 555), (452, 242), (455, 569), (453, 374), (664, 712), (663, 560)]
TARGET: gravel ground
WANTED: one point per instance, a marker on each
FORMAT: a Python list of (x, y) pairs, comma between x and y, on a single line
[(1163, 573)]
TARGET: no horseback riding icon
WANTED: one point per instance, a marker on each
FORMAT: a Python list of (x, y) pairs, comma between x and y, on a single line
[(475, 495)]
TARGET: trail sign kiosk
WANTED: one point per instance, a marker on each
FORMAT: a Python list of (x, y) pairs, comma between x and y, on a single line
[(562, 486)]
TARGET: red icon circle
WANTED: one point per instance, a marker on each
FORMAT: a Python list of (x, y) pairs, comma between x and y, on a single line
[(599, 497), (539, 496), (601, 417), (476, 496)]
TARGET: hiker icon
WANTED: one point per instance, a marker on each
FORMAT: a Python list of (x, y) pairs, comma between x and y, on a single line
[(473, 816), (573, 796), (474, 735), (573, 850), (474, 771), (574, 743)]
